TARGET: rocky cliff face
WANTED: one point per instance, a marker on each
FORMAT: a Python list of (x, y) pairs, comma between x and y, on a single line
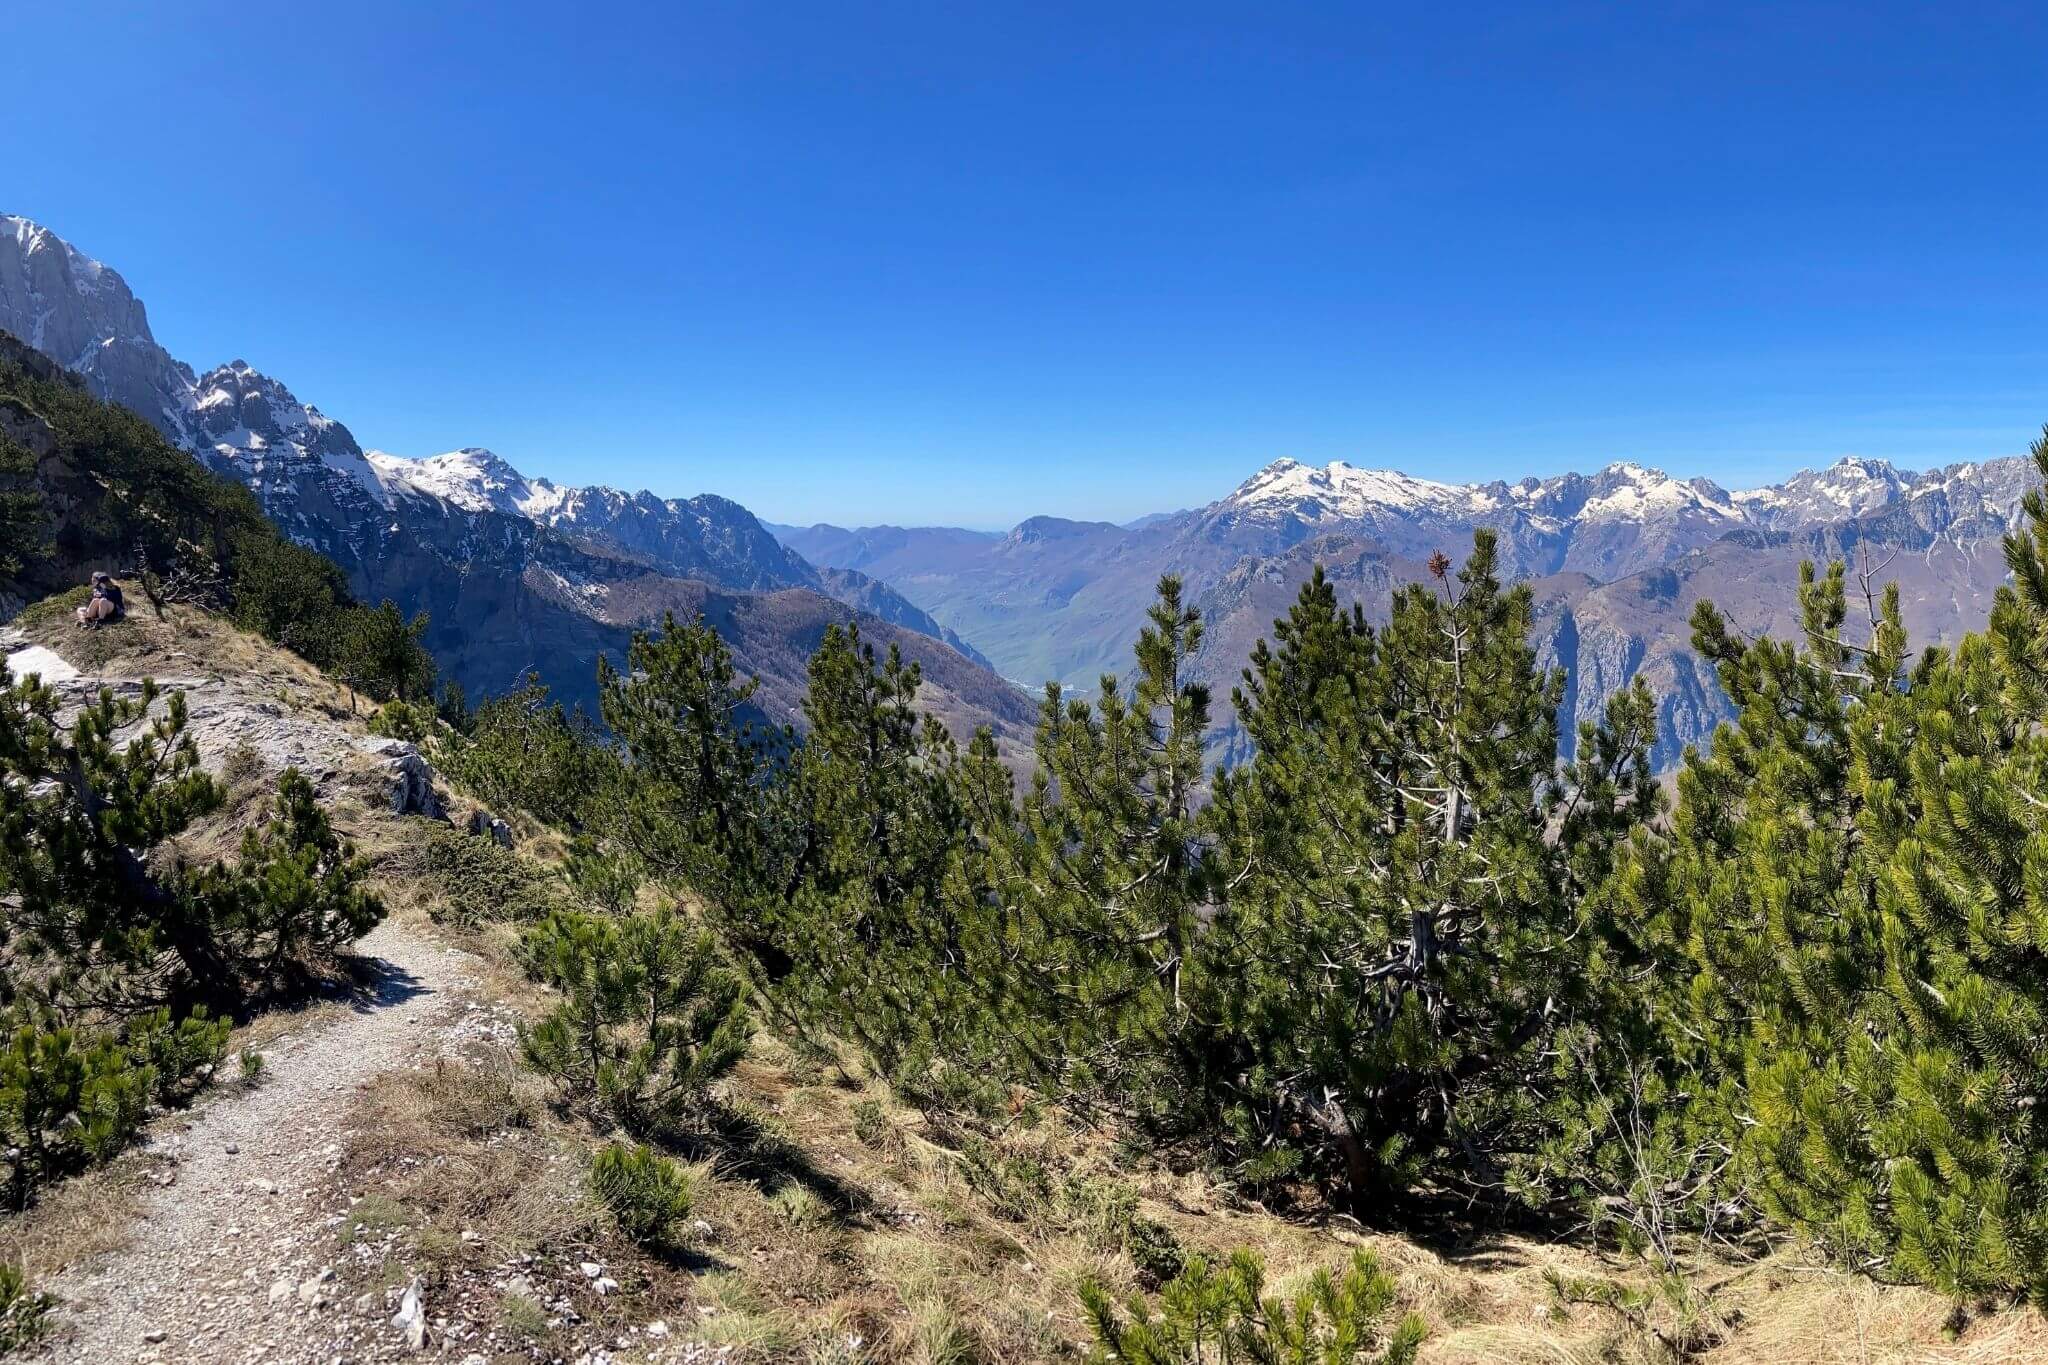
[(82, 315)]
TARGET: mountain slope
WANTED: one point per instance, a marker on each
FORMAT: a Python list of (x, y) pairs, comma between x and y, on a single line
[(517, 574)]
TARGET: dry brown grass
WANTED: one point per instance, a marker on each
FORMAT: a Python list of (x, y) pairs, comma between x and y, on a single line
[(187, 642), (461, 1145), (77, 1220)]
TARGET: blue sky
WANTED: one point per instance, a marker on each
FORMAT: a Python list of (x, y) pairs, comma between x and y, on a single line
[(964, 263)]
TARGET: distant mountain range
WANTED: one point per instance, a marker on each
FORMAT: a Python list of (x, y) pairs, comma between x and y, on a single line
[(1616, 558), (523, 574), (518, 575)]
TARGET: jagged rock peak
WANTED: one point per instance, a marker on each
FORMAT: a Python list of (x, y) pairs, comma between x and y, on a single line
[(82, 315)]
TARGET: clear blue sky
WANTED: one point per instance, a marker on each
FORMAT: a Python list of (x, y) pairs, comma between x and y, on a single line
[(965, 262)]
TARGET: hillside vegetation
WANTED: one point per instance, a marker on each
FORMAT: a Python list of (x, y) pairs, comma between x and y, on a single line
[(814, 1208), (1401, 1039), (1404, 968)]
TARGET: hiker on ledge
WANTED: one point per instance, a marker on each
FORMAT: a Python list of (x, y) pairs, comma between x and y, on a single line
[(105, 604)]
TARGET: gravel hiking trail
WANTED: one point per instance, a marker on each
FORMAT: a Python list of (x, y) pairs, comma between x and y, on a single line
[(226, 1259)]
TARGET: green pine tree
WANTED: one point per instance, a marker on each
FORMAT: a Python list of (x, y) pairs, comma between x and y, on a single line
[(381, 653), (696, 807), (871, 794), (1215, 1316), (523, 751), (1086, 902), (1404, 869)]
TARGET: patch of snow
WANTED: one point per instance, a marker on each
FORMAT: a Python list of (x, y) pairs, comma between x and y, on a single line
[(41, 661)]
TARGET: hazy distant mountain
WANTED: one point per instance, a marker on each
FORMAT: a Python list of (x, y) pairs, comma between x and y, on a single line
[(518, 574), (1617, 559)]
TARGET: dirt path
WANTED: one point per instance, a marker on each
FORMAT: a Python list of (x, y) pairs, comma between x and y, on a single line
[(225, 1260)]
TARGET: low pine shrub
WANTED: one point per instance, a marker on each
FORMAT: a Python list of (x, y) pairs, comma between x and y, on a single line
[(648, 1194), (412, 721), (650, 1019), (1107, 1212), (482, 883), (870, 1124), (68, 1100), (1206, 1315)]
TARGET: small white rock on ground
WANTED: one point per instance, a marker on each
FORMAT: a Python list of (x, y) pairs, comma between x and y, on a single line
[(242, 1214)]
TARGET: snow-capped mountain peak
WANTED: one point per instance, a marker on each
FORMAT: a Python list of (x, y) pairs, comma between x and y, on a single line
[(1343, 491), (1852, 486), (473, 479), (1626, 491), (249, 424), (1340, 492)]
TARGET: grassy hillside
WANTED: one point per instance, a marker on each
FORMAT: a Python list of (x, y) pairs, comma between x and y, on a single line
[(91, 485)]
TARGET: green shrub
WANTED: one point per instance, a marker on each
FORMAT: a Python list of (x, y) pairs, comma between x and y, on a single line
[(525, 752), (481, 882), (24, 1310), (648, 1194), (1107, 1212), (1014, 1186), (182, 1053), (412, 722), (295, 896), (870, 1124), (115, 946), (601, 876), (652, 1017), (67, 1101), (71, 1098), (1206, 1315)]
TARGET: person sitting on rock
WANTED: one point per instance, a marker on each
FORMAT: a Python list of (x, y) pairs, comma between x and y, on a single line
[(105, 604)]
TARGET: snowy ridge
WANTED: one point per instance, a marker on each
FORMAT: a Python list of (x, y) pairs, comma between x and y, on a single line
[(479, 480), (1340, 492), (474, 479), (1621, 493), (243, 420)]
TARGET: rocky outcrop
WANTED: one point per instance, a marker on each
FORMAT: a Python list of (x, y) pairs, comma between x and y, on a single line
[(485, 825), (238, 722)]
